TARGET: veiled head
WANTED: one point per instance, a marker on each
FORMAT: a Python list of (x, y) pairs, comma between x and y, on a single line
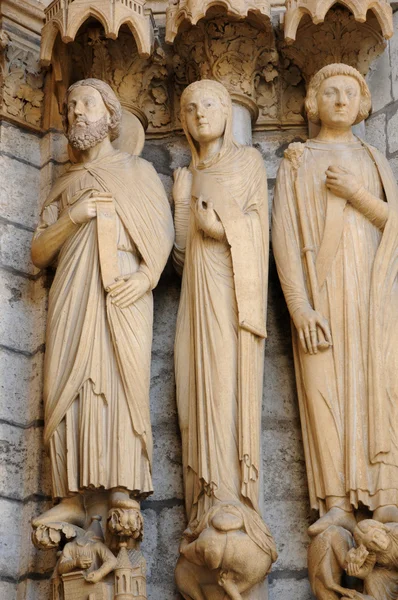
[(91, 111), (206, 114), (338, 96)]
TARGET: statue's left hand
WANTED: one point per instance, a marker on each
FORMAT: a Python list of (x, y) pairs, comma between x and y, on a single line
[(93, 577), (128, 289), (342, 182)]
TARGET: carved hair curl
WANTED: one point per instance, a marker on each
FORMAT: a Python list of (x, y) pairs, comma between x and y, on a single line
[(311, 104), (109, 98)]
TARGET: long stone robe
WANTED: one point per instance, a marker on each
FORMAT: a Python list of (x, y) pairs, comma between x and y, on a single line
[(220, 334), (348, 395), (97, 363)]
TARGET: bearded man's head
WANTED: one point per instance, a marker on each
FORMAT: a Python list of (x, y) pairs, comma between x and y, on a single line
[(91, 112)]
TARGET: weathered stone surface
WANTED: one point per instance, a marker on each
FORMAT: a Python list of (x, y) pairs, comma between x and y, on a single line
[(278, 318), (10, 537), (379, 81), (179, 152), (21, 387), (54, 148), (165, 591), (172, 523), (15, 249), (280, 395), (163, 406), (19, 191), (288, 521), (393, 43), (394, 166), (150, 541), (20, 143), (34, 590), (167, 463), (392, 128), (376, 132), (288, 589), (23, 312), (8, 590), (24, 466), (272, 145), (283, 463)]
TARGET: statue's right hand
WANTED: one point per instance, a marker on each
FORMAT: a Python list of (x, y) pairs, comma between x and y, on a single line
[(84, 210), (182, 186), (307, 321), (84, 562)]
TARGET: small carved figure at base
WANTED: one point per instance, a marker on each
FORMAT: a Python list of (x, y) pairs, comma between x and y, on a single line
[(52, 535), (231, 548), (89, 554)]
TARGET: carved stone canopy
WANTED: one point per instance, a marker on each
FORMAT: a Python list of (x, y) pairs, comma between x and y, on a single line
[(317, 10), (67, 16), (183, 13), (338, 38)]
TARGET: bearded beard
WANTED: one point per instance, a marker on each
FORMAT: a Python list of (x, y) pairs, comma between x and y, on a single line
[(83, 138)]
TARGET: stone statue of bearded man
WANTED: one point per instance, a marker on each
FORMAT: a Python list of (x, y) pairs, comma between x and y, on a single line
[(107, 222)]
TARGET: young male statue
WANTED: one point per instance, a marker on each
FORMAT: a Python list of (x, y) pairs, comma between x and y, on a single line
[(335, 239), (221, 245), (108, 224)]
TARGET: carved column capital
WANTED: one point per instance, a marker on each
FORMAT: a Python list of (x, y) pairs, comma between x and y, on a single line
[(235, 53)]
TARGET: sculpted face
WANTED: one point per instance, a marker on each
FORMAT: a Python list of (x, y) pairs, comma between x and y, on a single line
[(88, 118), (205, 116), (338, 101), (377, 539)]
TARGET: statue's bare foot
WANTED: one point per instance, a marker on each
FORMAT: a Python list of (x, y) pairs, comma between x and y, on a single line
[(121, 499), (335, 516), (69, 510), (386, 514)]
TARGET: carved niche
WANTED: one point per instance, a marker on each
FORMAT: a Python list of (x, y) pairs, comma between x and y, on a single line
[(139, 82), (315, 38), (113, 41)]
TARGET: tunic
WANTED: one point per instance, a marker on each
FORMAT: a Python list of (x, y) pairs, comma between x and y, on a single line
[(336, 392), (97, 364)]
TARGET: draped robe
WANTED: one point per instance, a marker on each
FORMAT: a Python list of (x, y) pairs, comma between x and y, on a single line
[(220, 336), (97, 363), (348, 395)]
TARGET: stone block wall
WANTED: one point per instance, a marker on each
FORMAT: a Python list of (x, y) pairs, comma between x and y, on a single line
[(29, 162)]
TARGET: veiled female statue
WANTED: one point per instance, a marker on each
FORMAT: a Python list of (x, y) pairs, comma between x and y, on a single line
[(335, 239), (221, 220)]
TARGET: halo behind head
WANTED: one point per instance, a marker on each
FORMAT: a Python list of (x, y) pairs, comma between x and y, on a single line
[(109, 98), (311, 104)]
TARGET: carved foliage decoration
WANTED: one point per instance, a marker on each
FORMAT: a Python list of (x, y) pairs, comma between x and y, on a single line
[(233, 52), (21, 82), (139, 82), (339, 39), (245, 60)]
